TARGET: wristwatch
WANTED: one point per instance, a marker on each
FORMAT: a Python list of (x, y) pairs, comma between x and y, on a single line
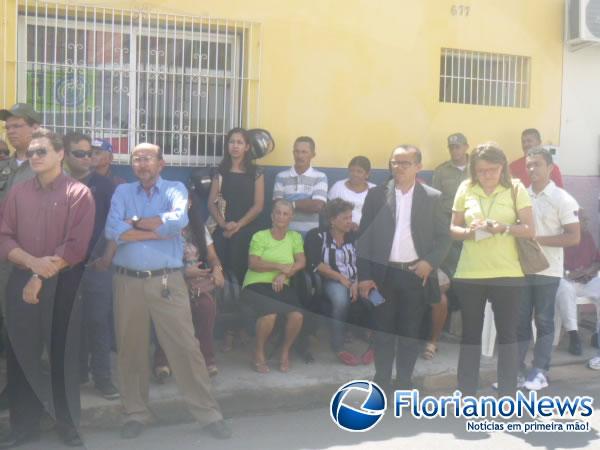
[(36, 276), (135, 220)]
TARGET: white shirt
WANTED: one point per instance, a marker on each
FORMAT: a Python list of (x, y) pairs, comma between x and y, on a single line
[(340, 190), (403, 247), (552, 209)]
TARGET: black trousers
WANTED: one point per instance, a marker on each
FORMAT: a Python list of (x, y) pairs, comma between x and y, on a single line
[(55, 324), (505, 296), (398, 323)]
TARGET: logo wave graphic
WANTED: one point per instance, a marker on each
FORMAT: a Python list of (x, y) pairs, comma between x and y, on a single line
[(362, 418)]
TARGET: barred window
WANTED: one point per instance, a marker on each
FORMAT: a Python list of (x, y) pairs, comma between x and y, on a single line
[(129, 76), (478, 78)]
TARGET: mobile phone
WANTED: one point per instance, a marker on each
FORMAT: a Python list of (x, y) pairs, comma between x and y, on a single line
[(375, 297)]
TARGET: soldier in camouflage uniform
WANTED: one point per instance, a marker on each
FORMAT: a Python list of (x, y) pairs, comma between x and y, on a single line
[(20, 121)]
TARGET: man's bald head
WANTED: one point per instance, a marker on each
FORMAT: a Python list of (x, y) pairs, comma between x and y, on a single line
[(147, 147), (408, 149)]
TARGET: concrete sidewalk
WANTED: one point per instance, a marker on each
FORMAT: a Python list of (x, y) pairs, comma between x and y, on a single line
[(241, 391)]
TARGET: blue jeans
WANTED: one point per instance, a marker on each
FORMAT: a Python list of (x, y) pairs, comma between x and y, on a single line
[(339, 297), (96, 289), (537, 303)]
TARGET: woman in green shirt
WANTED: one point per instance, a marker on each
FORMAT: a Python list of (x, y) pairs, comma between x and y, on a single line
[(275, 256), (483, 217)]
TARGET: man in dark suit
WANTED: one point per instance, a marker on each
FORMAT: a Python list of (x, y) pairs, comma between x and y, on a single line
[(404, 236)]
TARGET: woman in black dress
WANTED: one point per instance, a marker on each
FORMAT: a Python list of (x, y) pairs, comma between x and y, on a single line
[(242, 185)]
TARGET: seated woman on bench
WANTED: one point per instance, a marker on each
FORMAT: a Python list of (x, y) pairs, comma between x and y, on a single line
[(275, 256), (332, 254)]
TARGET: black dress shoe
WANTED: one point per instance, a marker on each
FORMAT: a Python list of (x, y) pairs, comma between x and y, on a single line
[(70, 436), (14, 439), (131, 429), (575, 343), (218, 430)]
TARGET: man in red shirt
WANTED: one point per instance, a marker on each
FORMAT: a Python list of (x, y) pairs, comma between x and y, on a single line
[(47, 223), (531, 138), (581, 279)]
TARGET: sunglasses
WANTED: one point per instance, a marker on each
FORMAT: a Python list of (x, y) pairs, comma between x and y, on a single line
[(40, 152), (81, 154)]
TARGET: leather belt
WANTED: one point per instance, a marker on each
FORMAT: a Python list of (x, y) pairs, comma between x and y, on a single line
[(402, 265), (144, 274)]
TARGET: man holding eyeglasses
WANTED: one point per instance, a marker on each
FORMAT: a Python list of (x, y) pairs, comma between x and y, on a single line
[(45, 232), (96, 284), (146, 219), (404, 237)]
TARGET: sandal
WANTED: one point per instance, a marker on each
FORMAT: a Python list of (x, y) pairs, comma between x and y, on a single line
[(430, 350), (284, 365), (348, 358), (212, 370), (261, 367)]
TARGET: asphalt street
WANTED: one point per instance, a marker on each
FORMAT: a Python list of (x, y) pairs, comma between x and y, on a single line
[(314, 429)]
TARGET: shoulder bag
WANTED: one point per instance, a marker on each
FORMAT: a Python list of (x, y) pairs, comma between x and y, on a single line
[(531, 255)]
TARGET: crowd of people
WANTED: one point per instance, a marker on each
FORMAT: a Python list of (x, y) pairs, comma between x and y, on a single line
[(90, 262)]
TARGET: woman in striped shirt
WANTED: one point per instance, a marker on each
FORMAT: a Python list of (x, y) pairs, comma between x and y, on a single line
[(331, 253)]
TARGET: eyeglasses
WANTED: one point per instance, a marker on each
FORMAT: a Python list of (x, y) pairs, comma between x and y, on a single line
[(490, 171), (81, 154), (403, 164), (40, 152), (137, 160)]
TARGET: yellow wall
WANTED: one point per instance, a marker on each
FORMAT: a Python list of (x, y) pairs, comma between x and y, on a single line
[(362, 76)]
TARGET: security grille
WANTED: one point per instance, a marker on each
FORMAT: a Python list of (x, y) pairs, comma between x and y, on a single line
[(478, 78), (137, 76)]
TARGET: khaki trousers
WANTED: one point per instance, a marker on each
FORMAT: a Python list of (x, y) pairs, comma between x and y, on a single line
[(136, 301)]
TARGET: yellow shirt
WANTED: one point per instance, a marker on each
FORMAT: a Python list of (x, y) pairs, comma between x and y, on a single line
[(497, 256)]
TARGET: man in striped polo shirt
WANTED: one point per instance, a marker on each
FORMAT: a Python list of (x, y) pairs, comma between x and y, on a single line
[(304, 186)]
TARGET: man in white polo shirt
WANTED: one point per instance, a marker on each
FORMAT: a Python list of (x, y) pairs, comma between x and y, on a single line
[(557, 226), (304, 186)]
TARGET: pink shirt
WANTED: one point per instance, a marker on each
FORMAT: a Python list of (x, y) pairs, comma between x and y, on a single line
[(58, 220)]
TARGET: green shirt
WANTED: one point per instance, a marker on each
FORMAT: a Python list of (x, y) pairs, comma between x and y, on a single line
[(269, 249), (446, 179), (496, 256)]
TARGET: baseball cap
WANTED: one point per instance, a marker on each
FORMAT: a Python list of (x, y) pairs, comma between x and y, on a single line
[(102, 145), (21, 110), (457, 139)]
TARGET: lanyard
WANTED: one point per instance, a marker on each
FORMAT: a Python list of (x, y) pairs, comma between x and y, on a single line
[(487, 216)]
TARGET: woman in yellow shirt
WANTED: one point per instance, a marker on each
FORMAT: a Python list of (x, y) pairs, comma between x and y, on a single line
[(483, 216)]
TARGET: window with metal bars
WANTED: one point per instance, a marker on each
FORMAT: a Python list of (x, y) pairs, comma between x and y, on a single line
[(129, 76), (478, 78)]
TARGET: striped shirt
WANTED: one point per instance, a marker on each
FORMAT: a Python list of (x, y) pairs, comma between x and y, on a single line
[(292, 186), (320, 247)]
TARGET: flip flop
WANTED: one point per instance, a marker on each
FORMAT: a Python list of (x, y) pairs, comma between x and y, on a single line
[(284, 366), (430, 351), (261, 367)]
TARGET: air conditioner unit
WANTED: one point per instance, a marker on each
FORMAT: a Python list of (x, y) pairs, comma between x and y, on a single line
[(583, 22)]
